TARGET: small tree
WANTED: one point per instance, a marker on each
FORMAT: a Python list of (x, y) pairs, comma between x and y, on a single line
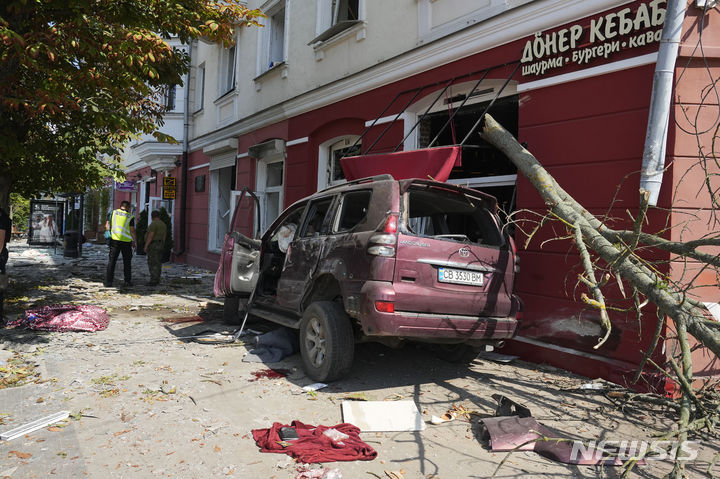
[(19, 211), (80, 79)]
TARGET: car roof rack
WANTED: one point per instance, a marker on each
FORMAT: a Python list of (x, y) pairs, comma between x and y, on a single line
[(367, 179)]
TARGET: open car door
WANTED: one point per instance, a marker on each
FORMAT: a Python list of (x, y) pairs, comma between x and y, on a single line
[(237, 272)]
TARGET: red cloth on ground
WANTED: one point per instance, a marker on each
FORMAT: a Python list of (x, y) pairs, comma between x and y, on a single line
[(65, 317), (312, 446)]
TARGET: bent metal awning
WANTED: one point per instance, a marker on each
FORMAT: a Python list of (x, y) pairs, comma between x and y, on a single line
[(436, 163)]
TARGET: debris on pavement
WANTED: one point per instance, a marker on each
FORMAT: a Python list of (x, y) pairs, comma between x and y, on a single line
[(395, 474), (447, 417), (313, 446), (497, 357), (508, 407), (456, 411), (314, 387), (593, 386), (34, 425), (273, 347), (513, 433), (64, 317), (321, 473), (379, 416)]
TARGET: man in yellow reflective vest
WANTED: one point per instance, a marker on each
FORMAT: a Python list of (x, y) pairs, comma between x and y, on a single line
[(122, 240)]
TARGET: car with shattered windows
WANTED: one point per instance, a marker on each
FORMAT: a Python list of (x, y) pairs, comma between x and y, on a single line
[(378, 259)]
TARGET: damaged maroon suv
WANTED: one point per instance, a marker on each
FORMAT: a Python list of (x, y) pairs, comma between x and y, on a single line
[(379, 259)]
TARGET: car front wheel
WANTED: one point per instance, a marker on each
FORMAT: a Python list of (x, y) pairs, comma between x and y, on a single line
[(326, 341)]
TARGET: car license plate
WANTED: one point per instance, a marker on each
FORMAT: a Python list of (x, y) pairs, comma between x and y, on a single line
[(459, 276)]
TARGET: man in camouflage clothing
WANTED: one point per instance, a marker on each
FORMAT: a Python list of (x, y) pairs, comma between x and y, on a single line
[(154, 246)]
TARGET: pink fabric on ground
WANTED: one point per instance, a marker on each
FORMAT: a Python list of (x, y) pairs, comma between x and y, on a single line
[(65, 317)]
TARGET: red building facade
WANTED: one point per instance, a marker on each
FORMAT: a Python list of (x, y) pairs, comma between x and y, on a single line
[(578, 96)]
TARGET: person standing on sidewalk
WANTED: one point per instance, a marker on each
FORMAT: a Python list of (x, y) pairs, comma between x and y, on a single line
[(154, 246), (5, 231), (122, 240)]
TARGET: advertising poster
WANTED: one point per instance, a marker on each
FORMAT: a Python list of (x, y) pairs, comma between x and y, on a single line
[(46, 222)]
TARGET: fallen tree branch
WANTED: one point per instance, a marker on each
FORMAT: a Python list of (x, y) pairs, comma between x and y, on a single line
[(571, 212)]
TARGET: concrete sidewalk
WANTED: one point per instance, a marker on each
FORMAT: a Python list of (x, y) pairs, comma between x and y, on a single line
[(147, 403)]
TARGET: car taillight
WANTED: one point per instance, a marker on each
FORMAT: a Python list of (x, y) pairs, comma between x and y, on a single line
[(383, 243), (391, 224), (385, 306)]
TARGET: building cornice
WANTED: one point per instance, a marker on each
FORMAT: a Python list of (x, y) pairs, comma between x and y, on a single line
[(510, 26)]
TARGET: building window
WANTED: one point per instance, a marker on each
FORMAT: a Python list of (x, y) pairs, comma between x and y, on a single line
[(227, 70), (169, 98), (222, 184), (272, 44), (270, 183), (335, 16), (330, 170), (483, 166), (200, 87)]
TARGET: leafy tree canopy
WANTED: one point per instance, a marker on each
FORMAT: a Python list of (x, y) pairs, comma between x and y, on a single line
[(77, 78)]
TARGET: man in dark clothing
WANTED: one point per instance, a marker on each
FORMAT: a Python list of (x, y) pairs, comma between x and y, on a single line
[(5, 230), (122, 240), (154, 246)]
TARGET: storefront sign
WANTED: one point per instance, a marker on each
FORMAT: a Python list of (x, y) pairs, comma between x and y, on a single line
[(128, 185), (169, 188), (606, 35)]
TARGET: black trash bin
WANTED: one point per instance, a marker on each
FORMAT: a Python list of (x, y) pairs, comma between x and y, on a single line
[(71, 242)]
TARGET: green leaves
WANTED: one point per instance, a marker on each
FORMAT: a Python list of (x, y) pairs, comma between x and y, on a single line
[(76, 83)]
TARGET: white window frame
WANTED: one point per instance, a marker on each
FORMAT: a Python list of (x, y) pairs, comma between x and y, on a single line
[(266, 34), (416, 110), (215, 243), (325, 158), (228, 68), (326, 18), (170, 98), (155, 203), (263, 190), (141, 199), (200, 87)]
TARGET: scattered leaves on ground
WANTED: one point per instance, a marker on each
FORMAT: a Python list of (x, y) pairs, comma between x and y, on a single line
[(18, 372), (20, 455)]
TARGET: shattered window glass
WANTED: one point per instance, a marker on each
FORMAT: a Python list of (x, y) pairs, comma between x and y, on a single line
[(451, 215)]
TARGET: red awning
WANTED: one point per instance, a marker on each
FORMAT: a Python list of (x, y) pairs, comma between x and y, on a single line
[(434, 162)]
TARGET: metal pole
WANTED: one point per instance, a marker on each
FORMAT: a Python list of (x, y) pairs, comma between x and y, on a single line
[(653, 161)]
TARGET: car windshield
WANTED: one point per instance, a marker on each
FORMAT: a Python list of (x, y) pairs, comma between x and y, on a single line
[(451, 215)]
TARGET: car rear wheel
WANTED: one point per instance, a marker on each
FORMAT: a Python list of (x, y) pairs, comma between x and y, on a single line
[(326, 341), (456, 353)]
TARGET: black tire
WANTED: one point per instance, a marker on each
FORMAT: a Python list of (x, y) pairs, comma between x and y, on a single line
[(456, 353), (327, 344), (231, 310)]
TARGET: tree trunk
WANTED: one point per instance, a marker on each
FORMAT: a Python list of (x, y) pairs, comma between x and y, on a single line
[(5, 189)]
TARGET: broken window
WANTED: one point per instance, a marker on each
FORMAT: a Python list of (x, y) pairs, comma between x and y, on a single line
[(483, 166), (353, 210), (316, 218), (451, 215)]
